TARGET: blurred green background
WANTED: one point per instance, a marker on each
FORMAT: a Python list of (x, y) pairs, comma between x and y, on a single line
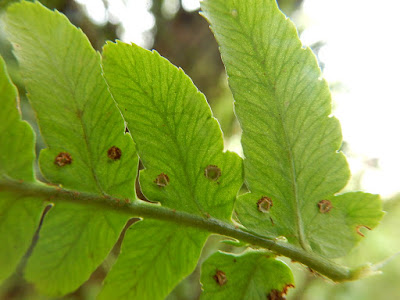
[(180, 34)]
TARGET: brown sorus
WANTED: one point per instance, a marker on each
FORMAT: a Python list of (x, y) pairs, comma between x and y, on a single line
[(62, 159), (324, 206), (264, 204), (114, 153), (162, 180), (212, 172), (220, 277)]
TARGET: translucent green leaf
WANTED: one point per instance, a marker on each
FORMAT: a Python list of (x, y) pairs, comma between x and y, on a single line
[(87, 147), (289, 139), (150, 270), (181, 147), (252, 275), (19, 215), (352, 214), (178, 140), (16, 140), (74, 240)]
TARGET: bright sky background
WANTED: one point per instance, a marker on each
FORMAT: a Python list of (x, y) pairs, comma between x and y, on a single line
[(361, 52)]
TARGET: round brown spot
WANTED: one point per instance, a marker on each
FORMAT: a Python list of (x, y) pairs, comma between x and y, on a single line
[(62, 159), (264, 204), (220, 277), (114, 153), (212, 172), (324, 206), (162, 180)]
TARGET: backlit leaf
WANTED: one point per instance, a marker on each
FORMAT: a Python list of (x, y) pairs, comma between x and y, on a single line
[(80, 124), (252, 275), (290, 140), (176, 136), (155, 256), (181, 147), (19, 215)]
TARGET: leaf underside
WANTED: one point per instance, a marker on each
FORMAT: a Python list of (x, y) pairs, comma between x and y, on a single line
[(79, 123), (289, 139), (292, 165), (252, 275), (181, 147), (19, 215), (174, 131), (149, 270)]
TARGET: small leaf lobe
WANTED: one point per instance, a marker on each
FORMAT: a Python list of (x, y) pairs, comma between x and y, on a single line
[(324, 206)]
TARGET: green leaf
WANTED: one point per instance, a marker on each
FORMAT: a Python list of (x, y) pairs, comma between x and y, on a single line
[(289, 139), (252, 275), (147, 269), (19, 219), (75, 112), (19, 215), (73, 241), (181, 147), (16, 140), (88, 149), (175, 133), (352, 214)]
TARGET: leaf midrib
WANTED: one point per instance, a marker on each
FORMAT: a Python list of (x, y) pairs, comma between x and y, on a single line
[(299, 222), (250, 279)]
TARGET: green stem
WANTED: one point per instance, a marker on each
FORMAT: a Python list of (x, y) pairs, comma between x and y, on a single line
[(138, 208)]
